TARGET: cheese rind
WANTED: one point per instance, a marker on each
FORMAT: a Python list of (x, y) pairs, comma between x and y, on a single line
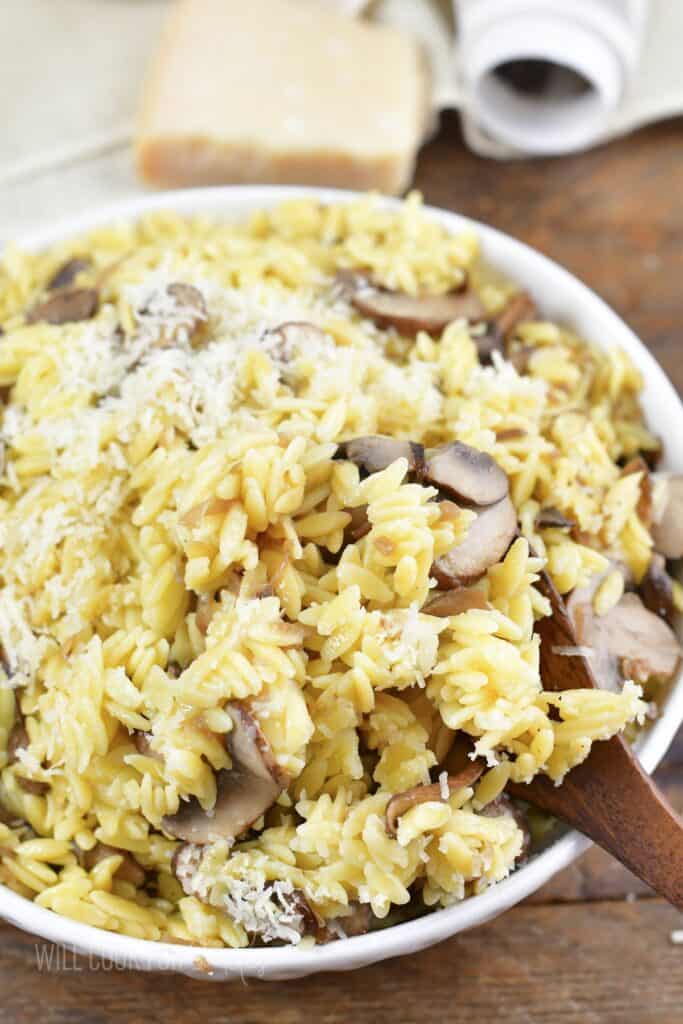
[(281, 91)]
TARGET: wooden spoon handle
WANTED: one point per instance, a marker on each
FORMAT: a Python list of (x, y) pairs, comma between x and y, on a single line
[(611, 800)]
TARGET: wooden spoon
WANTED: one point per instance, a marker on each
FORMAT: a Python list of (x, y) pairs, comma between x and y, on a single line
[(609, 797)]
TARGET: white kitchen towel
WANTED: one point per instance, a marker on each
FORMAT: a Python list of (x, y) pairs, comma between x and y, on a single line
[(551, 76), (546, 77)]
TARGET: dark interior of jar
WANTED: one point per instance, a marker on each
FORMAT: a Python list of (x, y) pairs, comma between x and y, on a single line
[(535, 78)]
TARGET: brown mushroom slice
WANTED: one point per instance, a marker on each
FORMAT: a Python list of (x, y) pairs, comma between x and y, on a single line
[(359, 526), (128, 871), (34, 787), (485, 543), (645, 507), (520, 308), (142, 741), (243, 792), (68, 306), (18, 738), (656, 589), (348, 281), (455, 602), (551, 518), (293, 337), (500, 330), (628, 642), (465, 473), (667, 528), (66, 274), (402, 802), (191, 302), (17, 741), (375, 452), (412, 313), (356, 922)]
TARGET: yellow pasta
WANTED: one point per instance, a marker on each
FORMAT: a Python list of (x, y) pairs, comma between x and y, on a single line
[(180, 536)]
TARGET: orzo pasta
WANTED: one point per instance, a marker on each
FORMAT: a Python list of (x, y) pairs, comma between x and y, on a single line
[(274, 501)]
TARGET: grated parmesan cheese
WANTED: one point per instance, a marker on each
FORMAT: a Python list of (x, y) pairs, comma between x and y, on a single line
[(22, 650), (269, 910)]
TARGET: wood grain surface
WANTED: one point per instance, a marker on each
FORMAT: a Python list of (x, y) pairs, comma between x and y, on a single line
[(594, 946)]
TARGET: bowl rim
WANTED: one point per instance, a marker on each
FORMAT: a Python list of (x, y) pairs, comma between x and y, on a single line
[(289, 961)]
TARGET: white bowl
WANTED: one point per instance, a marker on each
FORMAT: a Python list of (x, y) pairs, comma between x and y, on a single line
[(561, 297)]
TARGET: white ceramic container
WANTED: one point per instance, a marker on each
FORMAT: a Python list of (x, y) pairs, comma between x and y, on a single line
[(561, 297)]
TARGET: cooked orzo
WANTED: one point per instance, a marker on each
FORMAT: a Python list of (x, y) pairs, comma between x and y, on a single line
[(275, 501)]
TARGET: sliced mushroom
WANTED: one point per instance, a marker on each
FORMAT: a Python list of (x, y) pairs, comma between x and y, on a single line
[(375, 452), (485, 543), (551, 517), (520, 308), (68, 306), (455, 602), (465, 473), (244, 792), (346, 926), (656, 589), (298, 908), (359, 526), (653, 456), (295, 336), (500, 330), (128, 871), (402, 802), (667, 529), (503, 806), (34, 787), (17, 741), (142, 741), (628, 642), (18, 738), (645, 507), (191, 301), (412, 313), (65, 275)]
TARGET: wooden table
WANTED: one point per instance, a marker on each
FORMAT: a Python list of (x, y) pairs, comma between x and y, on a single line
[(593, 947)]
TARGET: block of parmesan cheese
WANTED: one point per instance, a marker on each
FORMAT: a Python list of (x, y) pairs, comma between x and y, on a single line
[(281, 91)]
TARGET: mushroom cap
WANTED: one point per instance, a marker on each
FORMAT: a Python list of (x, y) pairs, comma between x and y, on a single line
[(66, 274), (402, 802), (551, 517), (66, 306), (412, 313), (667, 528), (243, 792), (375, 452), (455, 602), (520, 307), (294, 336), (128, 871), (485, 543), (465, 473), (656, 589), (359, 526), (629, 641)]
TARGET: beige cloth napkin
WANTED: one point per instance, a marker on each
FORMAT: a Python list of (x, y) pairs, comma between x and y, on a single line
[(70, 77)]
